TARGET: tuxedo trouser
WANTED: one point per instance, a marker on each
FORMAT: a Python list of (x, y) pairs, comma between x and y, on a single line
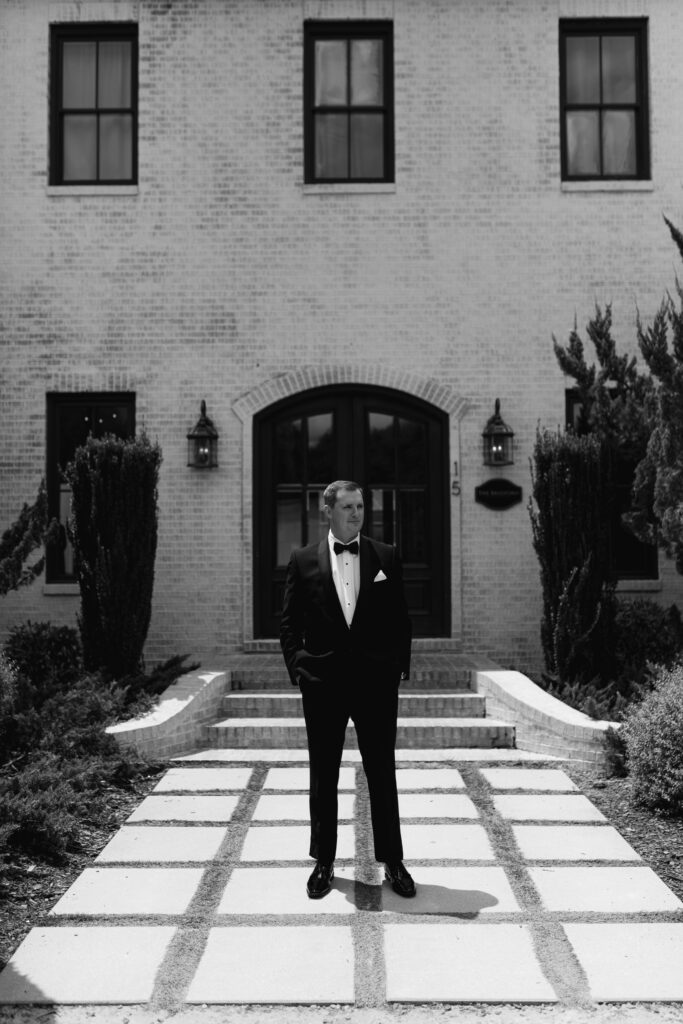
[(372, 705)]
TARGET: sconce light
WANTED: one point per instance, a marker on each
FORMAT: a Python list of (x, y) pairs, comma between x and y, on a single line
[(497, 441), (202, 443)]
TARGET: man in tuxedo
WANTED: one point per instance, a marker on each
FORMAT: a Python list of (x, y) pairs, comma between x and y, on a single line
[(346, 637)]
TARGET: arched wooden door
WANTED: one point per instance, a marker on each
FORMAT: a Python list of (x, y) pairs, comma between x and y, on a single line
[(396, 448)]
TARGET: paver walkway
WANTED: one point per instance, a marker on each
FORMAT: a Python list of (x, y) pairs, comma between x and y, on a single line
[(525, 894)]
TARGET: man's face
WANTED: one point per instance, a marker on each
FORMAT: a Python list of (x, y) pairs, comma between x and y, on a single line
[(346, 515)]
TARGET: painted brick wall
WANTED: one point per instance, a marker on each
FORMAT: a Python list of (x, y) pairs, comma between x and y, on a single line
[(222, 272)]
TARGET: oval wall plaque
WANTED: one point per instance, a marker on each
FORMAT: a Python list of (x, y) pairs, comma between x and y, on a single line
[(498, 494)]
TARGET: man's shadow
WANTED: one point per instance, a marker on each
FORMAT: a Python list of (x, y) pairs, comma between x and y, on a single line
[(429, 899)]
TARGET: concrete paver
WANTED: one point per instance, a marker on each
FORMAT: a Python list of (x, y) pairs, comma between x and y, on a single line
[(163, 844), (529, 778), (130, 891), (299, 778), (185, 808), (86, 965), (630, 962), (504, 858), (271, 964), (446, 842), (460, 891), (282, 891), (295, 807), (429, 963), (290, 842), (557, 807), (428, 778), (572, 842), (437, 805), (603, 890), (196, 780), (443, 755)]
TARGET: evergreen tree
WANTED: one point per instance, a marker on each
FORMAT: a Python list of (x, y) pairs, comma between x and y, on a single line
[(30, 531), (657, 515), (114, 529)]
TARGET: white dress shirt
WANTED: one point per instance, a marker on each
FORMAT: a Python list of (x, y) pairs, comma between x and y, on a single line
[(346, 575)]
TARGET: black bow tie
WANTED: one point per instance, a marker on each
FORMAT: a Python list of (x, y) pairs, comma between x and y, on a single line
[(352, 548)]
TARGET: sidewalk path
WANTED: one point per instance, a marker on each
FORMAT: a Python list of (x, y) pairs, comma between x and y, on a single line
[(525, 895)]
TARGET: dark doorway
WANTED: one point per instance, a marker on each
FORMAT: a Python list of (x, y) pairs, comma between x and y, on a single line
[(396, 447)]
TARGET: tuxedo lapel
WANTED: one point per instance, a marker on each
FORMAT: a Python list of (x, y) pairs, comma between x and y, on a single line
[(369, 564), (330, 596)]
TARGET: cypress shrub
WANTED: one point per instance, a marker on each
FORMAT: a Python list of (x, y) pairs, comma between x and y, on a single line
[(113, 523), (653, 732), (569, 511)]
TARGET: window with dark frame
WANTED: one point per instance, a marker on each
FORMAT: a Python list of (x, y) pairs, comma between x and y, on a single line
[(631, 558), (603, 99), (93, 104), (348, 101), (71, 418)]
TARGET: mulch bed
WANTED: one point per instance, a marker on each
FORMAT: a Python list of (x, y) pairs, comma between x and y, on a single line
[(30, 888)]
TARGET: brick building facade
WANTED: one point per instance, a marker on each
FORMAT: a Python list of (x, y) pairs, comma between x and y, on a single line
[(194, 233)]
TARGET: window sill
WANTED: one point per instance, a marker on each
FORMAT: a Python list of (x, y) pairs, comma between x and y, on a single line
[(92, 190), (61, 589), (639, 586), (349, 188), (609, 186)]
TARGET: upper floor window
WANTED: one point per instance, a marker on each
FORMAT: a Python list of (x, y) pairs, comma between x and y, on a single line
[(348, 98), (603, 97), (93, 100), (71, 418)]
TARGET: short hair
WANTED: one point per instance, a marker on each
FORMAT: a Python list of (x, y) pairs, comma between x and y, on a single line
[(332, 490)]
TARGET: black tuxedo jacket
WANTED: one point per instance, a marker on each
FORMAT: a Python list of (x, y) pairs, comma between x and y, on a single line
[(316, 641)]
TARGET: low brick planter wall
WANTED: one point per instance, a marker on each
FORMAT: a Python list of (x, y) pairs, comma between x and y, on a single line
[(544, 724), (178, 724)]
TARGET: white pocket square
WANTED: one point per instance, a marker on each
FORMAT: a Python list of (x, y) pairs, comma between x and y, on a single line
[(379, 577)]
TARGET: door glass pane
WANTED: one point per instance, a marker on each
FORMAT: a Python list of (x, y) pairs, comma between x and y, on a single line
[(288, 525), (381, 461), (366, 72), (79, 61), (583, 69), (114, 74), (583, 142), (331, 146), (112, 419), (619, 142), (412, 451), (367, 145), (330, 73), (288, 452), (619, 69), (382, 524), (412, 526), (320, 448), (317, 525), (80, 148), (116, 147)]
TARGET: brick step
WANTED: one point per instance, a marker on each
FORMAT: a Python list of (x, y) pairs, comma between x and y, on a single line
[(459, 680), (287, 704), (428, 733)]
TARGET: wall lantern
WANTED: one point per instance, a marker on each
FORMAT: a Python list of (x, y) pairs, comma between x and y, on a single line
[(497, 441), (202, 443)]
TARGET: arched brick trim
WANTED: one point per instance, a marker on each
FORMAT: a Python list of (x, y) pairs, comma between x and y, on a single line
[(295, 382)]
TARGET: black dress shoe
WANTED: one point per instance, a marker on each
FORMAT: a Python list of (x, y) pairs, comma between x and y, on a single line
[(320, 882), (401, 881)]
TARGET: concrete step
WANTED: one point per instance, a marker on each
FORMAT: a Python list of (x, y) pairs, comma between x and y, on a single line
[(290, 733), (287, 704)]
